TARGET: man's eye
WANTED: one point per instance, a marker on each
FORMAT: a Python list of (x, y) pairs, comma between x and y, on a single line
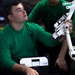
[(19, 10)]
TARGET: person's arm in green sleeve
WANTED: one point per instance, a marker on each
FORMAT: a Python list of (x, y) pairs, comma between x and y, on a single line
[(34, 16), (6, 62), (45, 37), (5, 55)]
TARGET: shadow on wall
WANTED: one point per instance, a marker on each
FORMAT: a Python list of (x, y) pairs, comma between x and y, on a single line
[(3, 3)]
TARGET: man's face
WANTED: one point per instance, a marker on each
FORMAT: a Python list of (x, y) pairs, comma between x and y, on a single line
[(53, 2), (18, 13)]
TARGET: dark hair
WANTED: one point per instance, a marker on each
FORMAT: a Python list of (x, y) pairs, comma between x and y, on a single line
[(7, 9)]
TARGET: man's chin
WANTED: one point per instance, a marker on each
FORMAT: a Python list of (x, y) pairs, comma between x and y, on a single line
[(26, 19)]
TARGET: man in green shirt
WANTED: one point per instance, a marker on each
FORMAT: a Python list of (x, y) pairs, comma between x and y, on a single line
[(18, 39), (49, 11)]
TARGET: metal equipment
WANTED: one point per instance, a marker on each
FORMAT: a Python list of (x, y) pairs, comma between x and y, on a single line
[(61, 28)]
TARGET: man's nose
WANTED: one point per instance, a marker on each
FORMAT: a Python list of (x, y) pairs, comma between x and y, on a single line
[(24, 11)]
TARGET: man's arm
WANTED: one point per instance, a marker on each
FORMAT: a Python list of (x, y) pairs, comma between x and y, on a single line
[(61, 57)]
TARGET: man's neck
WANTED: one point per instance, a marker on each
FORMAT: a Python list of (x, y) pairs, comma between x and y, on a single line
[(53, 3), (17, 26)]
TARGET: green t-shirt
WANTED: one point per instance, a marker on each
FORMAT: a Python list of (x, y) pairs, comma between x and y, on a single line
[(17, 44)]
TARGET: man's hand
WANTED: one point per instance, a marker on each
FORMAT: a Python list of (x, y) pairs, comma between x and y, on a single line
[(24, 69), (29, 71), (69, 23), (61, 64)]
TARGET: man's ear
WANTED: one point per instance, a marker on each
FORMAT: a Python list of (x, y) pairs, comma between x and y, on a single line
[(10, 17)]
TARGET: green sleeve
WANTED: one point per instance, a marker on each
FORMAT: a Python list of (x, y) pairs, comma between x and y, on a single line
[(5, 55), (45, 37), (34, 16)]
